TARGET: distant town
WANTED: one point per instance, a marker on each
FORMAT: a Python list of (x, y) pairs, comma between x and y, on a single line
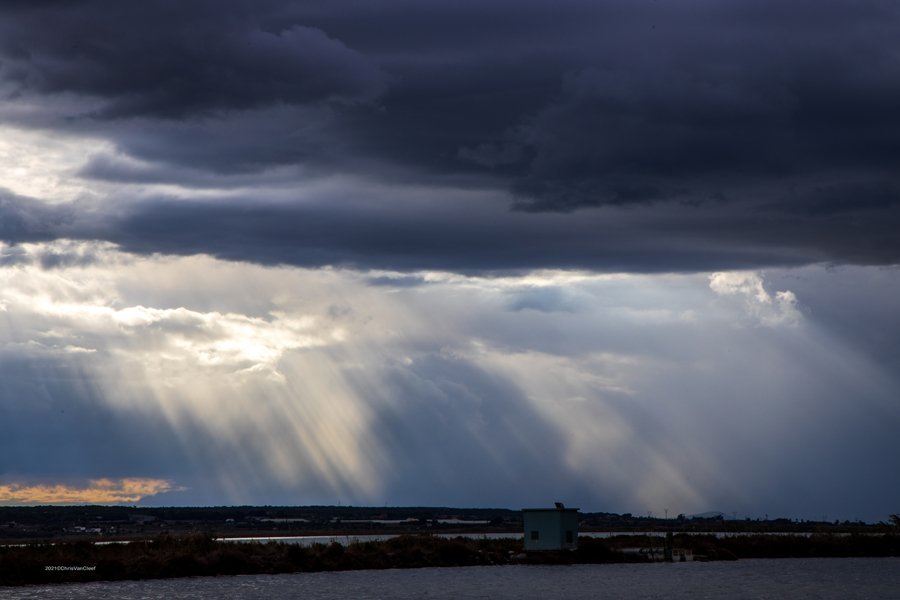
[(24, 523)]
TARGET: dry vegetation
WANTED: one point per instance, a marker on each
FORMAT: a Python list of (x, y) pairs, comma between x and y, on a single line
[(172, 556)]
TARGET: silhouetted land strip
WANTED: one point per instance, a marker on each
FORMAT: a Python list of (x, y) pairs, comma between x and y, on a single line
[(27, 523), (173, 556)]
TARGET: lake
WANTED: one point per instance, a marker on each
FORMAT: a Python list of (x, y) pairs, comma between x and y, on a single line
[(751, 579), (309, 540)]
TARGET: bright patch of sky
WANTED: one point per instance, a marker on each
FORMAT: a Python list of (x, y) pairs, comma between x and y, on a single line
[(44, 165), (250, 384)]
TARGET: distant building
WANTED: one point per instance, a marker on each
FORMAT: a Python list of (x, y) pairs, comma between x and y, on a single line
[(551, 528)]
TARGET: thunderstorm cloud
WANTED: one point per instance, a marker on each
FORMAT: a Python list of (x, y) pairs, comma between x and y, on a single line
[(628, 254)]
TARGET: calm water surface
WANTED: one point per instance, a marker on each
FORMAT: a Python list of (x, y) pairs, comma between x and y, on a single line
[(756, 579), (310, 540)]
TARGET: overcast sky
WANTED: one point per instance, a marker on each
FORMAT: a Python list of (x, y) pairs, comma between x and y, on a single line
[(631, 255)]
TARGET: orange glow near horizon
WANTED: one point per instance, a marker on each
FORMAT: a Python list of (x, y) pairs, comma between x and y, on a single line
[(98, 491)]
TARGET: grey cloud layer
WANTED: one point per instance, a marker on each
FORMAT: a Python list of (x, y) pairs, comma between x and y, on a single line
[(172, 60), (467, 235), (719, 134)]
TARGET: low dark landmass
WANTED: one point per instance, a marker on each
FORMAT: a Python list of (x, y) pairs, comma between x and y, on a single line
[(57, 544), (169, 556), (28, 523)]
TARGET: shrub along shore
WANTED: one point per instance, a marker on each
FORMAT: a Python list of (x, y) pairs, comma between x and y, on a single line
[(195, 555)]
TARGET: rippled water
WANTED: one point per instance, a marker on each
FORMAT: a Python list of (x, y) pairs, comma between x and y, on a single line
[(751, 579)]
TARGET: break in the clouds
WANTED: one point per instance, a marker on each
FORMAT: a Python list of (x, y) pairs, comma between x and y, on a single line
[(625, 254), (236, 383), (98, 491)]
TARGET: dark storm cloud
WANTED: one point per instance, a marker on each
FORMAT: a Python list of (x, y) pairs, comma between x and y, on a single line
[(845, 198), (424, 238), (585, 104), (412, 238), (25, 220), (736, 134), (389, 232), (244, 143), (175, 59)]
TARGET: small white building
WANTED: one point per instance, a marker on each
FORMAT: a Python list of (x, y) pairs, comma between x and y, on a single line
[(551, 528)]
